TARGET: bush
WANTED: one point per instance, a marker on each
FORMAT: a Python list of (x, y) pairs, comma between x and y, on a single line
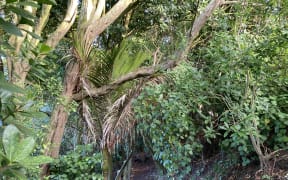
[(82, 163), (172, 116)]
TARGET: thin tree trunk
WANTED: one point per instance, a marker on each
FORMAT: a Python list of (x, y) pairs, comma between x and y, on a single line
[(65, 25), (107, 164), (60, 114), (18, 67), (198, 24)]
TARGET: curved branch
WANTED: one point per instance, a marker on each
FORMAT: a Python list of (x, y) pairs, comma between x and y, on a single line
[(64, 27), (44, 17), (198, 24), (98, 25), (142, 72)]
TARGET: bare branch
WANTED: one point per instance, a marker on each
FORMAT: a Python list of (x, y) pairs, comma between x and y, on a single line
[(142, 72), (97, 26), (64, 27), (42, 22), (198, 24)]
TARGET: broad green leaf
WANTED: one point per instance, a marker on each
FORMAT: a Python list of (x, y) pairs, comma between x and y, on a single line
[(24, 149), (45, 49), (29, 3), (126, 60), (35, 161), (11, 137), (10, 28), (21, 127), (51, 2), (8, 87), (21, 12)]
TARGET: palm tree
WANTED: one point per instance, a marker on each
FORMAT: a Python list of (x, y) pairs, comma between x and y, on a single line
[(100, 70)]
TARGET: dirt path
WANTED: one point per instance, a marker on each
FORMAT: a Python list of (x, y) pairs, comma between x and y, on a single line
[(144, 169)]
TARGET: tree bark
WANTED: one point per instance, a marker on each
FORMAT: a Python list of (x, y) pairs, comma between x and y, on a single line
[(45, 13), (96, 25), (18, 67), (60, 114), (198, 24), (64, 27), (107, 164)]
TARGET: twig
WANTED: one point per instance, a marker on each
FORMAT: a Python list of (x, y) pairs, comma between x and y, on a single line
[(120, 172)]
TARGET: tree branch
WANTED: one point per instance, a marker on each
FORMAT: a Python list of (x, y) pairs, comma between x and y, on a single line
[(98, 25), (198, 24), (42, 22), (142, 72), (64, 27)]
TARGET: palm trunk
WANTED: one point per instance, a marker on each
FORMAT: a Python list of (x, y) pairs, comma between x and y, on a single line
[(60, 115), (107, 164)]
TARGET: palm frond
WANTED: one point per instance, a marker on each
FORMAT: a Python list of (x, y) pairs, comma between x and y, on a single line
[(100, 67), (119, 121), (87, 116), (129, 57)]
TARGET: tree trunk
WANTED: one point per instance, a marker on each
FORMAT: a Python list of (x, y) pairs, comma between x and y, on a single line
[(60, 114), (107, 164)]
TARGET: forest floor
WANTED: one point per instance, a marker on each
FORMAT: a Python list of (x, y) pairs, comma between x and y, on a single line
[(146, 169)]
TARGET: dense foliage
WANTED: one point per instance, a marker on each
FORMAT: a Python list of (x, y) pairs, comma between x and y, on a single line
[(175, 133), (82, 163), (237, 91)]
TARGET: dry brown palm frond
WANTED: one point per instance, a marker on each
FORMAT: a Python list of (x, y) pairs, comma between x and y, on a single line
[(119, 121), (88, 118)]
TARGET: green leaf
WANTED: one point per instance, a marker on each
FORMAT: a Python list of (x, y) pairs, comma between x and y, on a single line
[(26, 21), (3, 156), (18, 173), (21, 12), (35, 161), (10, 28), (24, 149), (8, 87), (51, 2), (11, 137), (21, 127), (127, 60), (6, 45), (32, 34), (10, 1), (29, 3), (44, 49), (38, 115)]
